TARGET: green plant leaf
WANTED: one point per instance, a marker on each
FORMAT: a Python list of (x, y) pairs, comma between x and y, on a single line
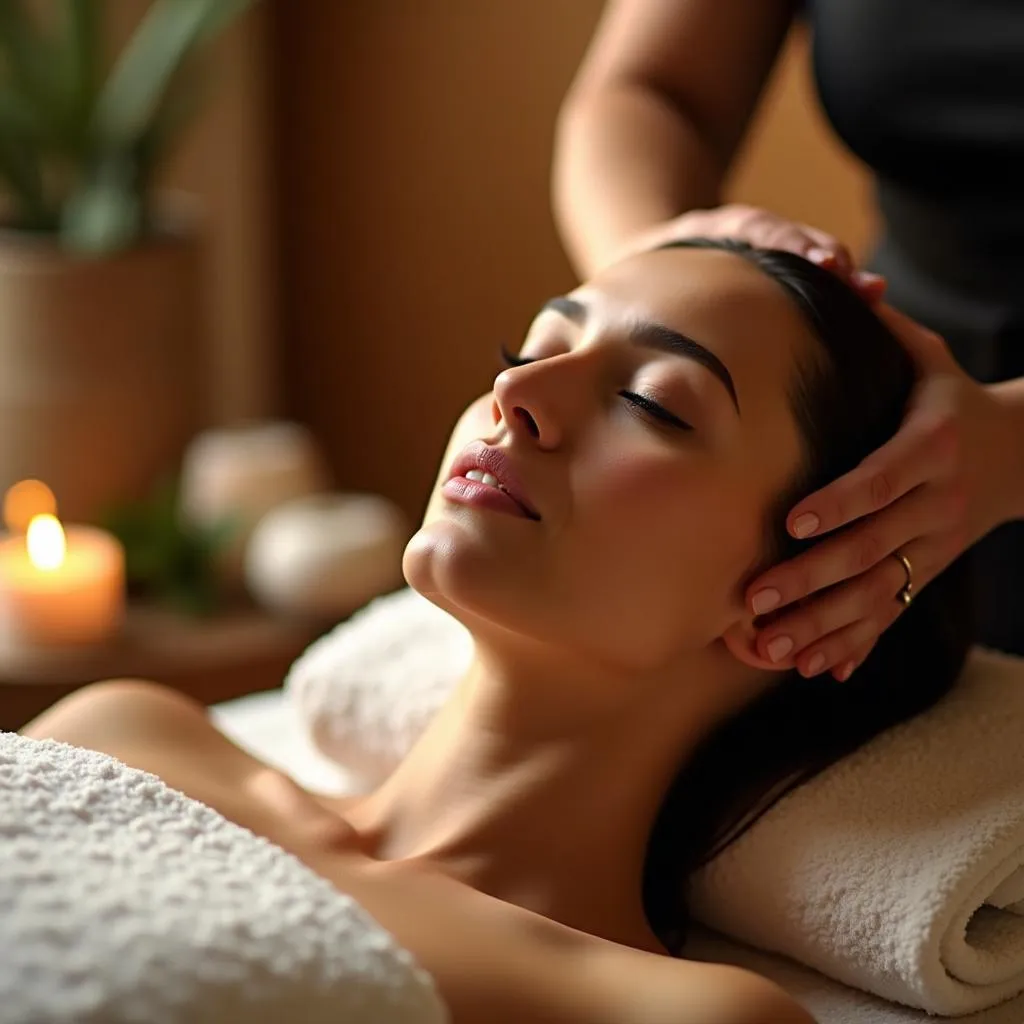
[(169, 32), (166, 559), (105, 213), (80, 65), (19, 162), (21, 173), (18, 118), (33, 65)]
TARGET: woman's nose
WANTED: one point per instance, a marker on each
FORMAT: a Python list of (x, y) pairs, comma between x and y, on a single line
[(525, 398)]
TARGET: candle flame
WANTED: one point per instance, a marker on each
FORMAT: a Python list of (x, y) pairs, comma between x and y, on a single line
[(26, 499), (45, 542)]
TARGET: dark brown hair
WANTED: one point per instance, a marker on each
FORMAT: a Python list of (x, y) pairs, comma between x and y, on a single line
[(847, 403)]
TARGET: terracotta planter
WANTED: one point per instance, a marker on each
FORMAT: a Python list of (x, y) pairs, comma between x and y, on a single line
[(100, 373)]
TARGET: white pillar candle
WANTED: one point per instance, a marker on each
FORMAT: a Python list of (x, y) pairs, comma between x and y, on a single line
[(60, 587)]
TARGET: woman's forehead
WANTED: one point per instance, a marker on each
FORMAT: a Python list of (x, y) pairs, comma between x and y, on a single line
[(720, 300)]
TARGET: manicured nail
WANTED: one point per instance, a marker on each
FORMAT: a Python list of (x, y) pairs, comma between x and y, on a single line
[(845, 671), (816, 664), (819, 255), (866, 279), (765, 600), (805, 525), (779, 648)]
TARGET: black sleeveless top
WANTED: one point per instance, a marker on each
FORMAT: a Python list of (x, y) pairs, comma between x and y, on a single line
[(930, 95)]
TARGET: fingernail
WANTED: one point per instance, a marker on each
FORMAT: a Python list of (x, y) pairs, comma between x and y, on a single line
[(765, 600), (845, 671), (779, 648), (805, 525), (865, 278), (816, 664), (819, 255)]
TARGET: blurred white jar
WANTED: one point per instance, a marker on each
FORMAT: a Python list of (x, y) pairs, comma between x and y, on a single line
[(238, 474), (325, 555)]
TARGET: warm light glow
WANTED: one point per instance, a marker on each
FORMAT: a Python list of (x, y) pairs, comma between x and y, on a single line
[(24, 501), (45, 542)]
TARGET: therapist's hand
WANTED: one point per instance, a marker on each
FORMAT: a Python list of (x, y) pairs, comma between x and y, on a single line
[(766, 230), (930, 492)]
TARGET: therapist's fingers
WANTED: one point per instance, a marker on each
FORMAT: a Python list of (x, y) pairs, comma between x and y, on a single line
[(870, 286), (827, 251), (923, 449), (814, 637), (794, 637), (845, 669), (806, 637), (925, 511), (834, 652)]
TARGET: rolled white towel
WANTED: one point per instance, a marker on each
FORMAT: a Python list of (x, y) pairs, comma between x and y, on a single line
[(123, 900), (899, 870), (366, 690)]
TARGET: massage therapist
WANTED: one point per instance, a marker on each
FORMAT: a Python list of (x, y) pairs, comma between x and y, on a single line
[(931, 97)]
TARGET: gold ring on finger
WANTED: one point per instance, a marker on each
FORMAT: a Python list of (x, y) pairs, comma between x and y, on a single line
[(906, 592)]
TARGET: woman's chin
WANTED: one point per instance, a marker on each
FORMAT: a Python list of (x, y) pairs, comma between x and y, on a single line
[(440, 560), (469, 580)]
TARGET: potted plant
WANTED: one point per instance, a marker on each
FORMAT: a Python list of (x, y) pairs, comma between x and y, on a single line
[(100, 310)]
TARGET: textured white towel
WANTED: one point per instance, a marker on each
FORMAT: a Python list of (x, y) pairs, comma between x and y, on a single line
[(900, 870), (122, 900), (266, 724)]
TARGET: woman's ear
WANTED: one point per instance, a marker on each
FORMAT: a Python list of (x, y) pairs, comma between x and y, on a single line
[(739, 640)]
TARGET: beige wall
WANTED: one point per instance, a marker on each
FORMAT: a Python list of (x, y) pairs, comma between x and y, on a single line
[(414, 213)]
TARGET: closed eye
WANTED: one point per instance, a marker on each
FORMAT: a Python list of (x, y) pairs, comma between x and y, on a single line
[(656, 411), (642, 402)]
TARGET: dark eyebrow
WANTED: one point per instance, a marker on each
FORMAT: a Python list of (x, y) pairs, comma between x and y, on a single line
[(654, 335)]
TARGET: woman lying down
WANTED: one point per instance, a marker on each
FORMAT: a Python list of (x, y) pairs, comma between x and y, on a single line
[(596, 518)]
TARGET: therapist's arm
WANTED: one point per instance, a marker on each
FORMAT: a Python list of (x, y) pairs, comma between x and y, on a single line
[(655, 114)]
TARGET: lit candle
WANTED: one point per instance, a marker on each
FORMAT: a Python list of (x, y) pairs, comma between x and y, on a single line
[(59, 586)]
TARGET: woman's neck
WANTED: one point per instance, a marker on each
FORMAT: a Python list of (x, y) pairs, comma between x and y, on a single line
[(540, 780)]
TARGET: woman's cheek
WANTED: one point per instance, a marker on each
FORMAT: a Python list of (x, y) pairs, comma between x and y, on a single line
[(667, 504)]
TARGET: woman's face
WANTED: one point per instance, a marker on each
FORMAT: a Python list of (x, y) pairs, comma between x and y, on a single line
[(646, 523)]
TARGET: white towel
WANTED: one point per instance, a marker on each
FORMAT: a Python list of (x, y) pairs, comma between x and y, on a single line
[(122, 900), (267, 725), (899, 870), (367, 689)]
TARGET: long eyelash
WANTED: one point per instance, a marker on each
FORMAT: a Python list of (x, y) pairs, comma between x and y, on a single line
[(659, 412), (510, 359)]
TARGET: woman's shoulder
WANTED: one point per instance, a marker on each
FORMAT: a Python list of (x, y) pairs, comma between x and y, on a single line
[(495, 962), (636, 986)]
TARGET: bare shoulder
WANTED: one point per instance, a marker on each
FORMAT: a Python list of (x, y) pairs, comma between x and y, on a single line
[(493, 962), (497, 963), (644, 988)]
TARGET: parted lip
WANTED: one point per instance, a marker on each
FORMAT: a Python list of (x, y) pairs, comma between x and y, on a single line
[(485, 457)]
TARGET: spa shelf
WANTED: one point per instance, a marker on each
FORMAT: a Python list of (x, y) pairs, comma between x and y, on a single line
[(213, 659)]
